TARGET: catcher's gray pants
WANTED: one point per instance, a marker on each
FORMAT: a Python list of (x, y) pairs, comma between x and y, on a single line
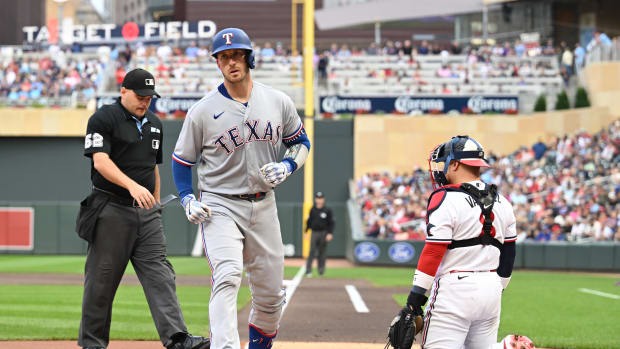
[(125, 233), (318, 246), (240, 234)]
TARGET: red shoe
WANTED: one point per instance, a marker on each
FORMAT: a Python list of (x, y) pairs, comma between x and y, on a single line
[(515, 341)]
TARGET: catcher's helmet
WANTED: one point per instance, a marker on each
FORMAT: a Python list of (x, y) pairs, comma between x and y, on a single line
[(232, 38), (463, 149)]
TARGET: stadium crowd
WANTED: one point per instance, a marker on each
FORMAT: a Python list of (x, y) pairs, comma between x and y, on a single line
[(44, 77), (566, 190), (55, 72)]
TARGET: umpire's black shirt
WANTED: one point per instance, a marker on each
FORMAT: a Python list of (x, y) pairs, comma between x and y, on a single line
[(320, 219), (114, 130)]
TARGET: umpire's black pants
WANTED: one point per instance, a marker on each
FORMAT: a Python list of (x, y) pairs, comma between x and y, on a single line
[(318, 245), (126, 233)]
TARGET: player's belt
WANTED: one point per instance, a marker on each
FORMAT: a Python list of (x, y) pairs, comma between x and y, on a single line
[(250, 197), (130, 202), (472, 271)]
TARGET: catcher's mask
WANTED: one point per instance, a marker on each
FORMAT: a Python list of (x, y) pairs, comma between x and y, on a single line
[(463, 149)]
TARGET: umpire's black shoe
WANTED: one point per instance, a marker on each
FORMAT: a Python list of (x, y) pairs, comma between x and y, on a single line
[(192, 342)]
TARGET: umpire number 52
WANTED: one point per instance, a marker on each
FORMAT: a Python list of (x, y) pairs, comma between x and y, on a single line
[(93, 140)]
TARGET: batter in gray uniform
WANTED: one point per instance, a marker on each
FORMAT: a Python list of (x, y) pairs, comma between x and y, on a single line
[(234, 135)]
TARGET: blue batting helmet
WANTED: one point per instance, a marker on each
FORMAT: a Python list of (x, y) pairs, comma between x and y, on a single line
[(232, 38)]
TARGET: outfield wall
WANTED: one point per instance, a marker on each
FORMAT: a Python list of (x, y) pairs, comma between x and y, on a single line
[(594, 256), (49, 175)]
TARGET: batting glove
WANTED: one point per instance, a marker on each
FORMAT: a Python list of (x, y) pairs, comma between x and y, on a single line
[(275, 173), (196, 211)]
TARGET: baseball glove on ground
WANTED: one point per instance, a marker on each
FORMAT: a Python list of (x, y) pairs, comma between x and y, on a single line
[(403, 329)]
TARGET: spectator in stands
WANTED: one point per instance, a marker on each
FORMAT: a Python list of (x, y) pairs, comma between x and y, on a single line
[(519, 48), (539, 149), (424, 48), (124, 56), (267, 51), (164, 50), (120, 75), (344, 51), (549, 49), (333, 49), (455, 48), (444, 72), (322, 66), (567, 59), (599, 39), (445, 90), (407, 48), (389, 48), (192, 50), (372, 49)]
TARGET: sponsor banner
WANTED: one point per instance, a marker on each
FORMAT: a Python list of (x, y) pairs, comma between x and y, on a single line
[(165, 105), (401, 252), (367, 252), (130, 31), (16, 228), (410, 104)]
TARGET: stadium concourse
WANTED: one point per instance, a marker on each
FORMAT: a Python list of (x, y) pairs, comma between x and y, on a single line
[(565, 190)]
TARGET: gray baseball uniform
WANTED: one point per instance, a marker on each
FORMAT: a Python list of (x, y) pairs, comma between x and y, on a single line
[(230, 141)]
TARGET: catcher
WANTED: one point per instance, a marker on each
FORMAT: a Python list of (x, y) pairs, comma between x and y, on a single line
[(467, 259)]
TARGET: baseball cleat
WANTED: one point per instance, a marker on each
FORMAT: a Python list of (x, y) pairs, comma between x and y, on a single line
[(515, 341), (192, 342)]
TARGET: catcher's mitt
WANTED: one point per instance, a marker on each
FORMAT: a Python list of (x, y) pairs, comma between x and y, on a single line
[(403, 329)]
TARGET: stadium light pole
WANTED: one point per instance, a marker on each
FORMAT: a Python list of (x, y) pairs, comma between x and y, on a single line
[(60, 4), (294, 4), (485, 23), (308, 52)]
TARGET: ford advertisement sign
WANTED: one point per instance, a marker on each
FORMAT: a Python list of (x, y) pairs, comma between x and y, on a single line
[(401, 252), (367, 252)]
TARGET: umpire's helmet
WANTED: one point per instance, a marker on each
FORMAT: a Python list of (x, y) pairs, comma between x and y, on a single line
[(463, 149), (231, 38)]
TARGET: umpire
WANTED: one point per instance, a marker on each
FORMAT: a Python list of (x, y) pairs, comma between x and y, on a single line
[(321, 222), (121, 218)]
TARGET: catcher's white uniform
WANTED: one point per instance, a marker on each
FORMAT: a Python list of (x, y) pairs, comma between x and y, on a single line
[(465, 299)]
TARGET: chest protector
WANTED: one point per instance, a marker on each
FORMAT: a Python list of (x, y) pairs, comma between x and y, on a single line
[(485, 199)]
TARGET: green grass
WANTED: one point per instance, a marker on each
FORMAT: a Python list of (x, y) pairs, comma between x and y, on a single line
[(545, 306), (53, 312), (195, 266), (548, 308)]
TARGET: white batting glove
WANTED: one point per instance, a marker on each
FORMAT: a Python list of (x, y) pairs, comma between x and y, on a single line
[(196, 211), (275, 173)]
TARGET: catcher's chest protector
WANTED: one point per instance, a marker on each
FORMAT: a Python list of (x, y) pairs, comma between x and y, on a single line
[(485, 199)]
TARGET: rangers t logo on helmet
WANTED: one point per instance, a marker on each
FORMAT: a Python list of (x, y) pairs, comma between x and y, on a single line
[(228, 36)]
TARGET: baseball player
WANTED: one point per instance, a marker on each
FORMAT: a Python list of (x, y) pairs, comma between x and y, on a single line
[(234, 134), (469, 253)]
